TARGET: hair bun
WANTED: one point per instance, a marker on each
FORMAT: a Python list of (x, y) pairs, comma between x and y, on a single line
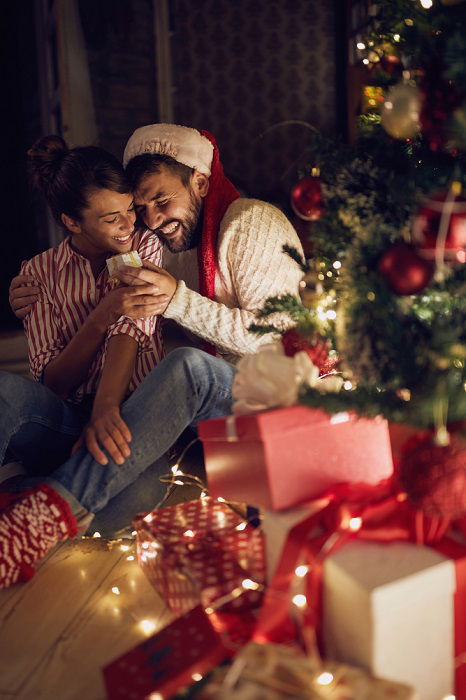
[(45, 159)]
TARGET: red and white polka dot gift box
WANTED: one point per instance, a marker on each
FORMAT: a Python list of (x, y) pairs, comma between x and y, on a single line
[(201, 552)]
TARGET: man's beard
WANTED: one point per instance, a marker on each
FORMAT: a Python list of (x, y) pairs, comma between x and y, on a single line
[(190, 228)]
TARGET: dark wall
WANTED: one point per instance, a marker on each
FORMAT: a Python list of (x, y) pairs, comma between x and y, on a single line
[(243, 66), (21, 232), (119, 39)]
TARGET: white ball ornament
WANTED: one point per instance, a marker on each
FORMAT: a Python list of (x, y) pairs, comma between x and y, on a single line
[(400, 111)]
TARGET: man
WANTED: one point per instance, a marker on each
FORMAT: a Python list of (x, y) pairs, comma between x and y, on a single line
[(223, 259)]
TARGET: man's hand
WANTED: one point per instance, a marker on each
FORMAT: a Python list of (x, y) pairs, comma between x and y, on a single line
[(106, 429), (162, 282), (132, 301), (22, 295)]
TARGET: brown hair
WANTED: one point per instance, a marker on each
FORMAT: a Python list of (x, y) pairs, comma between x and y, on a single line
[(67, 176), (149, 163)]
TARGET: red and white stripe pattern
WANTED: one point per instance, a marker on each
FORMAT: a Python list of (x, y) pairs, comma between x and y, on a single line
[(68, 293), (33, 523)]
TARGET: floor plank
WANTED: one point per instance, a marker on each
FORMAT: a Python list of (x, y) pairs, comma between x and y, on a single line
[(38, 612), (104, 628), (59, 630)]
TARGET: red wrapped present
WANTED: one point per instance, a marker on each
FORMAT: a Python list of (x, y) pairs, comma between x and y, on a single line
[(377, 597), (280, 458), (168, 661), (199, 552)]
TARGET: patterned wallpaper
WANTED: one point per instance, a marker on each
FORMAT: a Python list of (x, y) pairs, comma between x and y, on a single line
[(243, 66)]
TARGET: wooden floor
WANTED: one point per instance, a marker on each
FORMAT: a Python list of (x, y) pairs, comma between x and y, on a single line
[(58, 630)]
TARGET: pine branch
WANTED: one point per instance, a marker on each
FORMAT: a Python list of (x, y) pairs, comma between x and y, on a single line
[(297, 257)]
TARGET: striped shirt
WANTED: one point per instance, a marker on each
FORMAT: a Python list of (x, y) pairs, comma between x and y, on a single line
[(68, 293)]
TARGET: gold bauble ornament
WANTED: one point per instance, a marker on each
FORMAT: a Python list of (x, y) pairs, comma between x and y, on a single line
[(400, 111)]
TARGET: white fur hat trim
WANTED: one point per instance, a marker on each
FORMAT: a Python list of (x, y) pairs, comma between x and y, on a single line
[(182, 143)]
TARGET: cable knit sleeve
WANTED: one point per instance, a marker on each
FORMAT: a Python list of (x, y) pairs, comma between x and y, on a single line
[(251, 267)]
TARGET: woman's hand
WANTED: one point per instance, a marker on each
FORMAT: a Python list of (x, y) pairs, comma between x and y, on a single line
[(132, 301), (106, 429), (161, 281), (22, 295)]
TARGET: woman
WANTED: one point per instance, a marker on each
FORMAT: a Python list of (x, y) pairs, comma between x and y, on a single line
[(187, 386), (80, 345)]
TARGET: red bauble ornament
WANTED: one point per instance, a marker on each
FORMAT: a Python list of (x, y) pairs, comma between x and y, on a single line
[(316, 348), (306, 198), (403, 270), (391, 64), (434, 477), (426, 226)]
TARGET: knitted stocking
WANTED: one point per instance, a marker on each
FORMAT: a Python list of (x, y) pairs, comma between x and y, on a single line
[(31, 524)]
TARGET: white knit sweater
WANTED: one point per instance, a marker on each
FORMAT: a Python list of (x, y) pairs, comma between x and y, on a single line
[(251, 266)]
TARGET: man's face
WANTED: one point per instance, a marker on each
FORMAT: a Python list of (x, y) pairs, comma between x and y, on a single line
[(170, 209)]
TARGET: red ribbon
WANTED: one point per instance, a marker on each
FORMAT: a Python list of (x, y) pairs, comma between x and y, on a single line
[(378, 513)]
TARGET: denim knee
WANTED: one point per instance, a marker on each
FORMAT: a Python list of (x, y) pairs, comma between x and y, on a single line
[(11, 389), (188, 358)]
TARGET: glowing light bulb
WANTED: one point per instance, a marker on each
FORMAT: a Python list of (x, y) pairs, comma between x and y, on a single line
[(147, 626), (250, 585), (331, 315), (188, 533), (134, 533), (355, 524), (240, 527), (426, 4), (115, 590), (299, 600), (124, 547), (301, 571), (396, 37), (220, 499), (148, 518), (178, 482), (130, 558), (197, 677), (96, 534), (203, 494), (365, 61), (337, 265), (325, 678), (347, 385), (360, 45)]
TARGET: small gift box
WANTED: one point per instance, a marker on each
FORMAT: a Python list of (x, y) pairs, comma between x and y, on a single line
[(280, 458), (201, 551), (130, 259), (169, 660), (390, 609), (393, 607)]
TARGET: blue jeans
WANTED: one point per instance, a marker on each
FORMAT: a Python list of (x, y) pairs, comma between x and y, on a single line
[(187, 386)]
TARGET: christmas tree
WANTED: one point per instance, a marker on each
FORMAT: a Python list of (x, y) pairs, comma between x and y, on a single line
[(385, 284)]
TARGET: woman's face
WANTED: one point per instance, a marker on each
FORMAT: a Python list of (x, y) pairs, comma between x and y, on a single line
[(106, 225)]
